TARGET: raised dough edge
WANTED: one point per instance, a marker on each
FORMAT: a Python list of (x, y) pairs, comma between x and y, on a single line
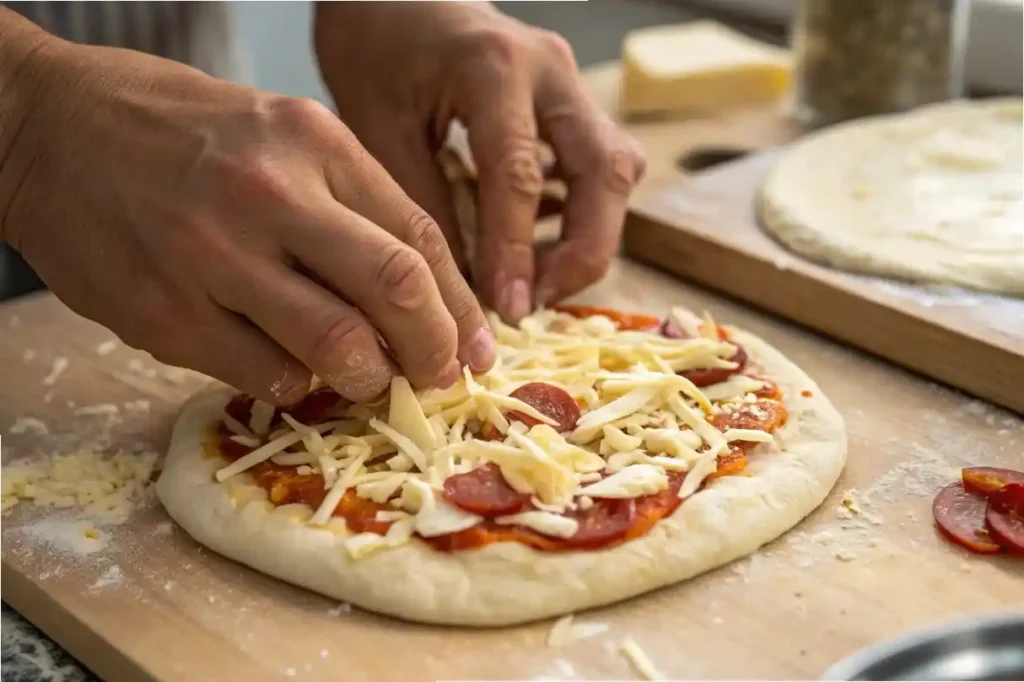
[(509, 583), (790, 198)]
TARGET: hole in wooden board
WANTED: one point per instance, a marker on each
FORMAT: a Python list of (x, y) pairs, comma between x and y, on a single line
[(703, 158)]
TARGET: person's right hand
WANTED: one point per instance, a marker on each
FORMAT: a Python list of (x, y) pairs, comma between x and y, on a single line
[(238, 233)]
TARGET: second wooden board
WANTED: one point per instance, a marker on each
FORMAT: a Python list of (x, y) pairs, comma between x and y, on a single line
[(704, 228)]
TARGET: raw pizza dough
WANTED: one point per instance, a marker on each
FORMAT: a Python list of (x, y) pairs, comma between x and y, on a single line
[(506, 582), (931, 196)]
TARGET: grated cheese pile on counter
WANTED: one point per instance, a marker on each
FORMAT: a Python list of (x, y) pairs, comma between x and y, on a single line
[(639, 419), (105, 486)]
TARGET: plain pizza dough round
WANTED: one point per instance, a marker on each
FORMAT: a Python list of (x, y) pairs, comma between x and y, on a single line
[(507, 583), (931, 196)]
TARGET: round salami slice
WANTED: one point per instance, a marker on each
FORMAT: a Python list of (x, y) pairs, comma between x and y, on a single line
[(987, 480), (239, 408), (316, 407), (670, 329), (623, 321), (960, 516), (714, 375), (1006, 528), (484, 491), (607, 521), (550, 401)]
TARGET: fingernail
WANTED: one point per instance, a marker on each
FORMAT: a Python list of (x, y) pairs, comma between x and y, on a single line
[(482, 350), (515, 300), (450, 376)]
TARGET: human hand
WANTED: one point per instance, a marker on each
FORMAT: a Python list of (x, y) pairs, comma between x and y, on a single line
[(238, 233), (401, 72)]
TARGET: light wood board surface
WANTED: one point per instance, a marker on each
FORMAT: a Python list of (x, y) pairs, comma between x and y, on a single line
[(151, 605), (702, 226)]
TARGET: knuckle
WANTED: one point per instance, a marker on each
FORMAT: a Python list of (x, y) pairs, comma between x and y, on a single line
[(521, 169), (339, 338), (557, 48), (499, 47), (620, 169), (300, 112), (404, 277), (426, 238), (255, 174)]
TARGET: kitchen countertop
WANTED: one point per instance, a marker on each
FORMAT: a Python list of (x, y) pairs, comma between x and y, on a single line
[(30, 656)]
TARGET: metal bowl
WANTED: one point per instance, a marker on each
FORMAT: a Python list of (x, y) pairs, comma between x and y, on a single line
[(986, 648)]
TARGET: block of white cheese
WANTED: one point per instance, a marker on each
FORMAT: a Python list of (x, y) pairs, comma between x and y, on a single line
[(698, 67)]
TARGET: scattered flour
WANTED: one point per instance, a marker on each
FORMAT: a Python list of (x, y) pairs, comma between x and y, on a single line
[(110, 578), (343, 607), (66, 535)]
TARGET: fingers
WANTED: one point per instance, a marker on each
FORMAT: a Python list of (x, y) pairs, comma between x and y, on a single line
[(390, 283), (239, 354), (600, 165), (329, 337), (499, 114), (388, 213), (410, 162)]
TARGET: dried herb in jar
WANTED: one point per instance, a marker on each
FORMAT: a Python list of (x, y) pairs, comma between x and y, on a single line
[(862, 57)]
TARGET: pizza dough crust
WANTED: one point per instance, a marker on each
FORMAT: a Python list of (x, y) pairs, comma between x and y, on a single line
[(934, 195), (508, 583)]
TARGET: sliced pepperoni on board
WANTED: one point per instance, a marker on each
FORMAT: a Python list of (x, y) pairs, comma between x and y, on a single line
[(960, 516), (1006, 527), (551, 401), (714, 375), (986, 480), (484, 491), (1009, 498)]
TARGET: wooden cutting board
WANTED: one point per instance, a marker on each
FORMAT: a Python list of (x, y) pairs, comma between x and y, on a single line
[(152, 605), (695, 219)]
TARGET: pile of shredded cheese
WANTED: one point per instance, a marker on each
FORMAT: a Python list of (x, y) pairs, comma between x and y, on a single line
[(639, 420), (103, 486)]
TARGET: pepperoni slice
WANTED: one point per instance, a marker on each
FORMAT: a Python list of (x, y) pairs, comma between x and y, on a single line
[(484, 491), (315, 407), (961, 516), (670, 330), (1009, 498), (550, 401), (239, 408), (987, 480), (763, 415), (623, 321), (607, 521), (713, 375), (1006, 528)]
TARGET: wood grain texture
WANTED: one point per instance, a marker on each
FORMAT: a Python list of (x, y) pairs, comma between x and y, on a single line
[(180, 613)]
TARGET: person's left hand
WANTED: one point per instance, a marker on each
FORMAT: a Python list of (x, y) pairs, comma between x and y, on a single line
[(401, 72)]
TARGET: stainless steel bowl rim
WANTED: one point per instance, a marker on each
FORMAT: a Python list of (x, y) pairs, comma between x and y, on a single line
[(855, 664)]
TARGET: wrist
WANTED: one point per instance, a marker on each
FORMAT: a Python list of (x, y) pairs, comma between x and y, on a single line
[(24, 48)]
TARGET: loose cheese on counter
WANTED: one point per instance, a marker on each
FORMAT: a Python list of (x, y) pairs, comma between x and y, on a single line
[(698, 67), (103, 485)]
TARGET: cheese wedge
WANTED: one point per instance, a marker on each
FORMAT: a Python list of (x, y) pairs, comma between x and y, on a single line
[(698, 67)]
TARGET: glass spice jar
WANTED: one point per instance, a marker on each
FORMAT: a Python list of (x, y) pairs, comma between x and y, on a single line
[(856, 58)]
